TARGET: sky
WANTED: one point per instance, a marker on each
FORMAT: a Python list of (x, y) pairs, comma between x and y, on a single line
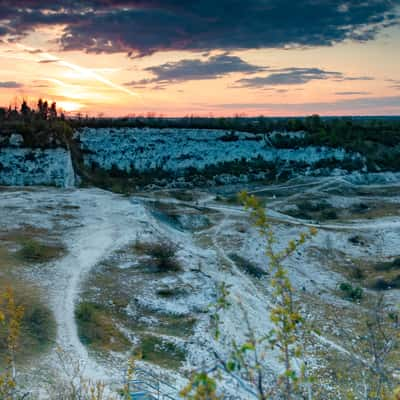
[(203, 57)]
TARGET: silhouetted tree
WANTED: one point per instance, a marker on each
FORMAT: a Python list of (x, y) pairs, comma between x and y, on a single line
[(25, 110), (53, 110)]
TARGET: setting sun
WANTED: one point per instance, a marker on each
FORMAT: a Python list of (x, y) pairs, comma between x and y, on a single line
[(70, 106)]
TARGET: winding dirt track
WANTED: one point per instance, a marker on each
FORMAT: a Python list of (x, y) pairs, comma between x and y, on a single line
[(108, 222)]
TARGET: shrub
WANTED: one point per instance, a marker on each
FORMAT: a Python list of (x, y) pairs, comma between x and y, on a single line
[(329, 214), (164, 256), (351, 293), (162, 253)]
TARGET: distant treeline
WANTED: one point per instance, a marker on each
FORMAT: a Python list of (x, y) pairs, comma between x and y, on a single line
[(378, 139)]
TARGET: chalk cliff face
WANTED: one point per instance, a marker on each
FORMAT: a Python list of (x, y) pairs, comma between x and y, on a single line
[(175, 151), (21, 166)]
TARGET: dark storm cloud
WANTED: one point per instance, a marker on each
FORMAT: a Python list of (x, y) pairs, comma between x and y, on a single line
[(196, 69), (10, 85), (143, 27)]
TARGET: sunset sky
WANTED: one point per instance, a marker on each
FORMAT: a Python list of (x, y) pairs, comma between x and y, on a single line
[(204, 57)]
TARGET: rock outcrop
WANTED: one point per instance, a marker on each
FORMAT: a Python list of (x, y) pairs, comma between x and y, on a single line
[(21, 166)]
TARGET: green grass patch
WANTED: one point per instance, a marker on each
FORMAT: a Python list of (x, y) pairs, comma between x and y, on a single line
[(160, 351), (97, 330), (33, 250)]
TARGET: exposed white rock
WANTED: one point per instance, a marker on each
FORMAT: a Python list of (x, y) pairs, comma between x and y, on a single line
[(176, 150), (29, 167), (16, 140)]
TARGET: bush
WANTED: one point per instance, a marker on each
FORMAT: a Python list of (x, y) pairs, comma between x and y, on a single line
[(162, 253), (351, 293), (329, 214), (164, 256)]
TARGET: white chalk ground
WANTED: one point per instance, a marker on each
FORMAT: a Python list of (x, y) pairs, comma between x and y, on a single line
[(105, 222), (108, 223)]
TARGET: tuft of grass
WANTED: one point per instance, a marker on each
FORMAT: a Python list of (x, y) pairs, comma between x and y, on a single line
[(34, 251), (160, 351), (97, 330)]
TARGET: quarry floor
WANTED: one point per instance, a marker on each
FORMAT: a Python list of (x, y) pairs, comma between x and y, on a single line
[(94, 253)]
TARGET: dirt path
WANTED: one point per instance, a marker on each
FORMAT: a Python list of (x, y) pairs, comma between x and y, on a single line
[(108, 222)]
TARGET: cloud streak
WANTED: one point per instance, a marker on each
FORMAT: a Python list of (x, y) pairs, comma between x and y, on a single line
[(43, 57), (294, 76), (289, 76), (351, 93), (10, 85), (188, 70)]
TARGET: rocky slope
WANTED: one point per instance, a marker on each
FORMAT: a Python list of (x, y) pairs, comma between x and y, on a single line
[(198, 156), (23, 166)]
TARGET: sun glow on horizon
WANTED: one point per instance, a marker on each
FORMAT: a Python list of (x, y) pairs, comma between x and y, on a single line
[(70, 106)]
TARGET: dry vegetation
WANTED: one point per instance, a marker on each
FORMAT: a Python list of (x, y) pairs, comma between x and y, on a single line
[(161, 255)]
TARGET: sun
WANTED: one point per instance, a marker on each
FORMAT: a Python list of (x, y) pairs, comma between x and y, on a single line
[(69, 106)]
